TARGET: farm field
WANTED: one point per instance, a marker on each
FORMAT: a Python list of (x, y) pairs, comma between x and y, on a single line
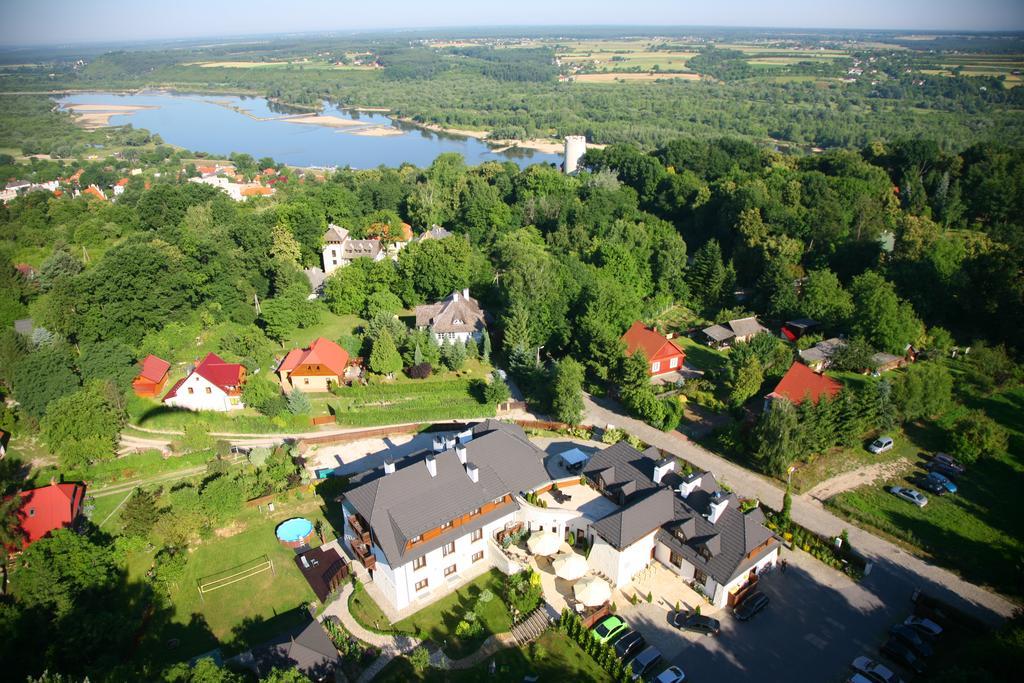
[(976, 532), (626, 77)]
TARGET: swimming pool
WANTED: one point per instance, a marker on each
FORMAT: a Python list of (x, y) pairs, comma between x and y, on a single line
[(295, 531)]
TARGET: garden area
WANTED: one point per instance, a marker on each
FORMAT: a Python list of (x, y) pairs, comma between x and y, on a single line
[(425, 400), (978, 531)]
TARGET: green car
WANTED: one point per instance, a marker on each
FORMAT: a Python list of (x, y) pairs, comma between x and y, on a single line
[(610, 629)]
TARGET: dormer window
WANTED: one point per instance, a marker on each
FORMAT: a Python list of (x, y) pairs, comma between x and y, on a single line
[(705, 553), (415, 539), (446, 525), (680, 534)]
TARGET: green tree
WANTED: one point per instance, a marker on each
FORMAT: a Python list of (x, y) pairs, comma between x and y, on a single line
[(259, 392), (204, 671), (285, 676), (59, 266), (824, 299), (776, 436), (567, 391), (41, 377), (140, 513), (977, 435), (346, 290), (298, 403), (283, 246), (924, 390), (453, 355), (108, 360), (853, 356), (706, 276), (485, 347), (383, 302), (496, 390), (880, 316), (55, 572), (384, 358), (420, 659), (84, 426), (745, 378), (281, 316), (990, 368)]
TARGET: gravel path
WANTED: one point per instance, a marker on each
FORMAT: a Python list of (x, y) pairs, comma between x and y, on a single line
[(858, 477)]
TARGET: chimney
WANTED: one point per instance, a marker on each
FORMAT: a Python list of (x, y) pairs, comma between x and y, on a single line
[(455, 296), (449, 442), (663, 467), (389, 466), (717, 507), (688, 486), (473, 471), (460, 451), (438, 444), (432, 465), (465, 293)]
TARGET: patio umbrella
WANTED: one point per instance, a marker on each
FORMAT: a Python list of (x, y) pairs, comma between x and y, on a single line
[(543, 542), (569, 566), (592, 591)]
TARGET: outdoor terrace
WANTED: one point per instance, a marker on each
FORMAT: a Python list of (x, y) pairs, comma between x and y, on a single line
[(578, 498)]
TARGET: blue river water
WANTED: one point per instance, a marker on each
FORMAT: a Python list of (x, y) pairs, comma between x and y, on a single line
[(211, 123)]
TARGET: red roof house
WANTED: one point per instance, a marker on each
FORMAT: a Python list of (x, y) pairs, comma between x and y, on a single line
[(313, 368), (49, 508), (214, 384), (801, 383), (663, 354), (152, 377)]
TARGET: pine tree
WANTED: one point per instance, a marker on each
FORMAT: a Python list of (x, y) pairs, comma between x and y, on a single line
[(485, 349), (298, 403), (417, 356), (472, 350), (384, 358), (707, 274)]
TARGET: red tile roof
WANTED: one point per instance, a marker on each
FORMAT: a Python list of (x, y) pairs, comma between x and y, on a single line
[(321, 352), (95, 192), (49, 508), (153, 369), (122, 182), (218, 372), (648, 341), (800, 382)]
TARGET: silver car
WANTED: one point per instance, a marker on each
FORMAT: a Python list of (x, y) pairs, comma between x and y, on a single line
[(881, 445), (873, 671), (909, 495)]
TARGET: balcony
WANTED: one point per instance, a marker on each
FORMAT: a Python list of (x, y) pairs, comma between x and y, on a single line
[(359, 529), (364, 554)]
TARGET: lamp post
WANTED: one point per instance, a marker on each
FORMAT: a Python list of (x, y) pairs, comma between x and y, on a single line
[(789, 479)]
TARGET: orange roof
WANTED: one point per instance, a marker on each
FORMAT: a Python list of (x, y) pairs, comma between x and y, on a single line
[(407, 233), (207, 169), (58, 192), (321, 352), (122, 182), (648, 341), (47, 509), (257, 191), (95, 192), (800, 382), (153, 369)]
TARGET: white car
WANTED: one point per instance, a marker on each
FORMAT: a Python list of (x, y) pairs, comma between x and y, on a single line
[(873, 671), (673, 674), (881, 445), (925, 626), (909, 495)]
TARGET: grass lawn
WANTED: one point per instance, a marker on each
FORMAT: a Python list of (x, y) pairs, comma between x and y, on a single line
[(241, 614), (978, 532), (553, 657), (446, 397), (839, 460), (701, 356), (438, 620), (153, 415), (337, 328)]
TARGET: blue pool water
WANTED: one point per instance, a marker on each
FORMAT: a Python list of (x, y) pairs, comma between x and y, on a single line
[(294, 529), (214, 124)]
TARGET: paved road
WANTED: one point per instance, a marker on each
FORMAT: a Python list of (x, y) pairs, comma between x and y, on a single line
[(895, 573)]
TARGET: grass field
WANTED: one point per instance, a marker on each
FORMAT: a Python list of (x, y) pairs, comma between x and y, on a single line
[(623, 76), (701, 356), (405, 400), (553, 657), (241, 614), (438, 620), (978, 532)]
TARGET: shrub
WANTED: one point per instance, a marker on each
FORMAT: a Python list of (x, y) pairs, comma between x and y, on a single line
[(420, 371), (420, 659)]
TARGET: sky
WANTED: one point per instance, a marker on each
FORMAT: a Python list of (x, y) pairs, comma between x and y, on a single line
[(73, 21)]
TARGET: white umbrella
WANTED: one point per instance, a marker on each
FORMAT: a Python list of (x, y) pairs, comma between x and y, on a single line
[(569, 566), (543, 542), (592, 591)]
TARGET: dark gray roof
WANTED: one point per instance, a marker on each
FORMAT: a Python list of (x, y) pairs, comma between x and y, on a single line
[(628, 525), (719, 333), (455, 313), (822, 351), (409, 502), (335, 234), (721, 549), (746, 327), (307, 648)]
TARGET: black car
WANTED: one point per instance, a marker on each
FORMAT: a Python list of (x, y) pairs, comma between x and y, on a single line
[(628, 644), (643, 662), (942, 468), (751, 605), (912, 639), (901, 654), (949, 461), (691, 621), (932, 486)]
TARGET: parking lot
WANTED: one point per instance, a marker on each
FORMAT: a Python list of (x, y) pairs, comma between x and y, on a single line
[(817, 622)]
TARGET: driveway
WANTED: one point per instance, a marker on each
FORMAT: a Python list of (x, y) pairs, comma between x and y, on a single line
[(817, 622)]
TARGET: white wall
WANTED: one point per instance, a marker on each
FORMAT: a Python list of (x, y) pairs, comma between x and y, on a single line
[(604, 558), (457, 337), (633, 559), (722, 592), (216, 400)]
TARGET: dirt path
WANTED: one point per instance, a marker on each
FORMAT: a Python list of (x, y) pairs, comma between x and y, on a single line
[(859, 477)]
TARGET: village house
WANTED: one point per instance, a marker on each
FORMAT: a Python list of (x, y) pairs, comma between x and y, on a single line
[(314, 368), (663, 355), (800, 384), (456, 318), (795, 329), (340, 249), (884, 362), (436, 232), (727, 334), (48, 508), (152, 377), (213, 384), (819, 356)]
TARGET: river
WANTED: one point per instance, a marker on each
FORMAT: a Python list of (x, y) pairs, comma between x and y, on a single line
[(221, 124)]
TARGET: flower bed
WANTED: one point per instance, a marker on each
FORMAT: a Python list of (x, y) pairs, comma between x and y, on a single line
[(824, 549)]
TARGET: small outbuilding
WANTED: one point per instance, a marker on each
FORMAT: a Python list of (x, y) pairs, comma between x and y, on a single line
[(152, 377)]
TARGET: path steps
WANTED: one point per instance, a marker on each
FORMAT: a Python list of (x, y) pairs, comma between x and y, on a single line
[(530, 628)]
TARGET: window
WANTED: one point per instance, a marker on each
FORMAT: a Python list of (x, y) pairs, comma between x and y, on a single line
[(498, 501), (478, 556), (675, 558), (419, 562), (305, 380), (448, 549), (209, 390), (334, 252), (678, 533), (673, 362), (475, 512), (415, 539), (656, 366), (191, 390), (700, 577), (446, 525), (477, 535), (420, 585), (448, 571)]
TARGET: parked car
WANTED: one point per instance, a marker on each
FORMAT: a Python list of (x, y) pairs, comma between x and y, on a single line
[(943, 469), (924, 626), (751, 605), (873, 671), (901, 654), (881, 445), (949, 461), (628, 644), (673, 674), (912, 639), (643, 662), (909, 495), (859, 678), (942, 481), (609, 629), (931, 486), (691, 621)]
